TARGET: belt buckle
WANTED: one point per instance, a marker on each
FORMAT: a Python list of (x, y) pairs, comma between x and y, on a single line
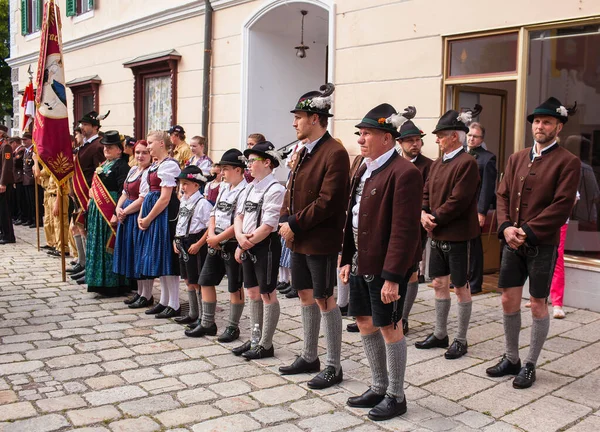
[(212, 251), (369, 278), (445, 246)]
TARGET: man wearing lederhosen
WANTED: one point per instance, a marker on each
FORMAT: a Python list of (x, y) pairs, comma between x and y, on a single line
[(312, 223), (535, 198), (381, 244), (450, 217)]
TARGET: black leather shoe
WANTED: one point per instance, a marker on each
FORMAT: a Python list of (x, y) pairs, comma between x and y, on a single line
[(526, 377), (368, 399), (132, 300), (194, 324), (7, 241), (292, 294), (344, 310), (421, 279), (388, 408), (286, 290), (76, 269), (282, 285), (504, 367), (326, 378), (142, 302), (78, 275), (81, 280), (200, 331), (405, 327), (352, 328), (238, 351), (158, 308), (47, 247), (259, 352), (169, 312), (230, 334), (185, 320), (476, 291), (74, 263), (432, 342), (56, 253), (456, 350), (301, 366)]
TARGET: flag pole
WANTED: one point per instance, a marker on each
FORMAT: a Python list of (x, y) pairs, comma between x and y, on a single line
[(37, 211), (61, 215)]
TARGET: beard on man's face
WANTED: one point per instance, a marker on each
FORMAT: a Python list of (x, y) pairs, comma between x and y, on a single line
[(545, 138)]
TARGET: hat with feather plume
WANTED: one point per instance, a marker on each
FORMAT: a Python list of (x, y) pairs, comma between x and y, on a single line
[(458, 121), (316, 102), (553, 108)]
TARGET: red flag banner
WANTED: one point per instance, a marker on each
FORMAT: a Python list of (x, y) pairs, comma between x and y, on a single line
[(29, 106), (51, 127), (106, 205)]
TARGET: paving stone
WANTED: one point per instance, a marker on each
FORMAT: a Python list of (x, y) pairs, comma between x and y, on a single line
[(61, 403), (7, 396), (282, 428), (48, 353), (583, 391), (119, 365), (11, 358), (16, 411), (93, 415), (75, 387), (156, 359), (459, 386), (115, 354), (114, 395), (264, 381), (563, 345), (586, 359), (162, 384), (236, 404), (73, 360), (557, 413), (141, 424), (436, 368), (440, 424), (238, 372), (21, 367), (104, 382), (311, 407), (196, 395), (45, 423), (155, 348), (79, 323), (99, 345), (277, 395), (330, 422), (186, 367), (76, 372), (273, 415), (63, 333), (474, 419), (150, 405), (589, 424), (234, 423), (231, 388), (138, 375), (188, 415), (200, 378)]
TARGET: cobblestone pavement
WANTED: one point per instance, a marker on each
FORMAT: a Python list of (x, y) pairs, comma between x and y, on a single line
[(69, 361)]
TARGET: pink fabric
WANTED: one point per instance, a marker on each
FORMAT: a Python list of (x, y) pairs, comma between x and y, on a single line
[(557, 289)]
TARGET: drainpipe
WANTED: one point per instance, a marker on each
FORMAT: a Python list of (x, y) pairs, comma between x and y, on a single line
[(208, 24)]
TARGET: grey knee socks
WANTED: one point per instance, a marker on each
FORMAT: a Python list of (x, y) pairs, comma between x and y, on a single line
[(411, 294), (464, 317), (256, 313), (208, 313), (333, 337), (235, 314), (442, 309), (193, 298), (512, 328), (271, 320), (539, 333), (375, 351), (396, 361), (311, 323), (80, 249)]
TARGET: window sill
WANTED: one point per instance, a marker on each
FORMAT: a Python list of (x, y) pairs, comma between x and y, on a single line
[(32, 36), (83, 16)]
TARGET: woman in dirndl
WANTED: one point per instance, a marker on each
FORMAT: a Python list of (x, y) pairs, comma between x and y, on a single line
[(107, 185), (128, 208), (157, 222)]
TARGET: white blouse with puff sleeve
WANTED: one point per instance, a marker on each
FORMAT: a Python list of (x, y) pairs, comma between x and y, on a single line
[(168, 170)]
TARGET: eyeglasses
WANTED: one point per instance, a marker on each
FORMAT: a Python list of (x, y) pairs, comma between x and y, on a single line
[(474, 136), (251, 161)]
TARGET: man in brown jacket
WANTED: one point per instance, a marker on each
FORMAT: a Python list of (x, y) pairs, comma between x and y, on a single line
[(312, 223), (7, 234), (535, 198), (449, 215), (381, 244), (411, 143)]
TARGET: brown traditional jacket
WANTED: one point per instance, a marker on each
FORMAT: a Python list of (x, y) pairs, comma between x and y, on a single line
[(389, 221), (450, 195), (90, 156), (18, 164), (6, 164), (538, 196), (316, 198), (423, 163)]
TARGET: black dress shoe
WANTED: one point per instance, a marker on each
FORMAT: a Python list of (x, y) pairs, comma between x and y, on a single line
[(78, 275), (326, 378), (131, 300), (169, 312), (238, 351), (194, 324), (74, 263), (476, 291), (200, 331), (504, 367), (142, 302), (292, 294), (405, 327), (344, 310), (421, 279), (158, 308), (301, 366), (47, 247), (259, 352), (3, 241), (56, 253), (230, 334), (80, 281), (76, 269), (34, 226), (388, 408), (368, 399), (432, 342), (282, 285), (526, 377), (185, 320), (456, 350), (286, 290), (352, 328)]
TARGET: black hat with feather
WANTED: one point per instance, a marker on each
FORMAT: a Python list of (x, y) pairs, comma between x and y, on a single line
[(316, 102)]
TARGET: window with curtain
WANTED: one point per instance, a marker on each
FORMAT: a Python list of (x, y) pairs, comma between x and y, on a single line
[(32, 12), (157, 103)]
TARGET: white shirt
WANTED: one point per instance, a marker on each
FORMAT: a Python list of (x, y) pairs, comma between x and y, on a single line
[(311, 146), (372, 165), (223, 209), (413, 160), (90, 140), (168, 171), (200, 216), (535, 155), (451, 154), (204, 163), (272, 202)]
